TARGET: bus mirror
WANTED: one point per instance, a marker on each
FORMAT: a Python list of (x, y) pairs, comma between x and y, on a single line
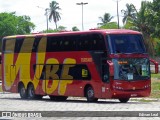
[(111, 67), (154, 66)]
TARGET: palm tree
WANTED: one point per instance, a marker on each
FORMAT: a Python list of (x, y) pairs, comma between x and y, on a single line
[(129, 13), (105, 19), (54, 14), (141, 22)]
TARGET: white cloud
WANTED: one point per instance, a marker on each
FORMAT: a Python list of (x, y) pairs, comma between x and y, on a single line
[(71, 14)]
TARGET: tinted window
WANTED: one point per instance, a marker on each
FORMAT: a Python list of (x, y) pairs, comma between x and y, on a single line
[(61, 43), (83, 42), (126, 44), (91, 42)]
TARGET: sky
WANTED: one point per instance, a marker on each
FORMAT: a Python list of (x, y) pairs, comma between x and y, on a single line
[(71, 14)]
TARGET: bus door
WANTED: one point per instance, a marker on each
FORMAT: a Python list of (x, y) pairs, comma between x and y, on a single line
[(105, 80)]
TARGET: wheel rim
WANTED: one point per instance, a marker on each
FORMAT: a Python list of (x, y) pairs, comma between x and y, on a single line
[(31, 91), (90, 93), (23, 91)]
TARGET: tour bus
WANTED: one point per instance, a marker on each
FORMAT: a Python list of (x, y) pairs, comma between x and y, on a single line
[(96, 64)]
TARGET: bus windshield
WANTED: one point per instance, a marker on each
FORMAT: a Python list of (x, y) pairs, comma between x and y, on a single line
[(131, 69), (120, 43)]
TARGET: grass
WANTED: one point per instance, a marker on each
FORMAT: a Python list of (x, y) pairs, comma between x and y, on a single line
[(155, 93), (155, 76)]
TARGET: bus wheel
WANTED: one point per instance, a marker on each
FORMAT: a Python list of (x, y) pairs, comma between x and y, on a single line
[(90, 95), (31, 92), (23, 92), (124, 100)]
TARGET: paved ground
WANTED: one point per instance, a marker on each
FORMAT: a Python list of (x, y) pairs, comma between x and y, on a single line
[(12, 102)]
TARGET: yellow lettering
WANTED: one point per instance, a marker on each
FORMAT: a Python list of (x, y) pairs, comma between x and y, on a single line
[(51, 74), (21, 66), (8, 61), (63, 83), (40, 58), (65, 72)]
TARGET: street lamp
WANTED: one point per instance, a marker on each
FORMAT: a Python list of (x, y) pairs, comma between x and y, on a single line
[(46, 17), (117, 12), (82, 3), (46, 14)]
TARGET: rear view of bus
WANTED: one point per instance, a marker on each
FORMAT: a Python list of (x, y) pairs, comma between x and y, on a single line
[(129, 65)]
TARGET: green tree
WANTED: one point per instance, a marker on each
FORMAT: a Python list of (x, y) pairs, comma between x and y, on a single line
[(129, 13), (61, 28), (24, 25), (105, 19), (54, 14), (154, 18), (50, 31), (141, 22), (75, 28), (110, 25), (10, 24)]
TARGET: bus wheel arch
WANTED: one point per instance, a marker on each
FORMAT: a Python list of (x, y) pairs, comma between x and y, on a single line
[(31, 92), (22, 91), (89, 93)]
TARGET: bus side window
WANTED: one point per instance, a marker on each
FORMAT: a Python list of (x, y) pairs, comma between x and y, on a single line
[(97, 42), (53, 44), (61, 43), (84, 43), (69, 43)]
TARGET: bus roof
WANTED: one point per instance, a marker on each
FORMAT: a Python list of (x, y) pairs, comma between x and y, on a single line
[(103, 31)]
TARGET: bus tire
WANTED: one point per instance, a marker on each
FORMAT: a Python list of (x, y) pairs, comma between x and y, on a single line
[(90, 95), (31, 92), (23, 92), (124, 100)]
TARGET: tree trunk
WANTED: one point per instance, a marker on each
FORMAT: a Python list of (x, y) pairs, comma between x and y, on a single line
[(56, 25)]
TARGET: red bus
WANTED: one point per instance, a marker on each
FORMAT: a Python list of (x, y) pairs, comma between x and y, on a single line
[(96, 64)]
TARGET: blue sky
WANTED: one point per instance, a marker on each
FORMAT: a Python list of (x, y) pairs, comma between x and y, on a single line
[(71, 14)]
